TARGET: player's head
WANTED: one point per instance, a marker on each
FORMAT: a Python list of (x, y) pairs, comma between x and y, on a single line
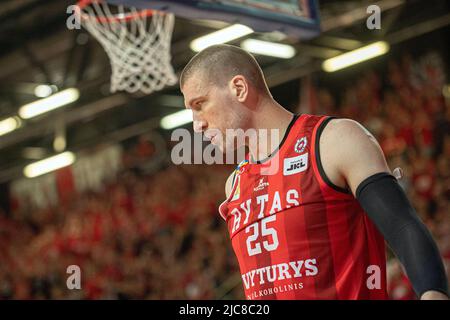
[(223, 85)]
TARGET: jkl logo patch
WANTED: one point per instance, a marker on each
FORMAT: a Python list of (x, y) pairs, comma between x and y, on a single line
[(295, 165)]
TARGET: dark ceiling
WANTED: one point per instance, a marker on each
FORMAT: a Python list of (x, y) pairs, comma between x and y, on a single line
[(36, 47)]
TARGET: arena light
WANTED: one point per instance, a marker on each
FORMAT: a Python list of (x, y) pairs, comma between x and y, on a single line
[(60, 143), (446, 91), (43, 91), (9, 124), (176, 119), (224, 35), (50, 164), (356, 56), (266, 48), (52, 102)]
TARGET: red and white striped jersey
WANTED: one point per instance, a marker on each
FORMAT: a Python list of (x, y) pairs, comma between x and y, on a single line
[(295, 234)]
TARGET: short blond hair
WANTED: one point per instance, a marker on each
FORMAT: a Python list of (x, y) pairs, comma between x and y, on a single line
[(220, 63)]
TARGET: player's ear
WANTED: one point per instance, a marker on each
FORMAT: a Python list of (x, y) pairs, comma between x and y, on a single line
[(239, 87)]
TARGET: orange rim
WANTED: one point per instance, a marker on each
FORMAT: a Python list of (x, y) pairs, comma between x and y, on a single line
[(116, 18)]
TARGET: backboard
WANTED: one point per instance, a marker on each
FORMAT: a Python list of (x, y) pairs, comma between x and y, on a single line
[(296, 18)]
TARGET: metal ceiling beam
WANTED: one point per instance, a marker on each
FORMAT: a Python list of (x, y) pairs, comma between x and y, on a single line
[(19, 10), (418, 29), (35, 62), (338, 42), (49, 48), (349, 18)]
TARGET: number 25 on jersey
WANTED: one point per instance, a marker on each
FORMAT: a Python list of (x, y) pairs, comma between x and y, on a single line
[(253, 245)]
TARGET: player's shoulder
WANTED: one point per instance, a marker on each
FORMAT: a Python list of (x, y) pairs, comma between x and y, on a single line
[(350, 152), (339, 132), (345, 141), (339, 124)]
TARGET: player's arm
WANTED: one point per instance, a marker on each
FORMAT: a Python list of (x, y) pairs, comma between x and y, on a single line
[(354, 159)]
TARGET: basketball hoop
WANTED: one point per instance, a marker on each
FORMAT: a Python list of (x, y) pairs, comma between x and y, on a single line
[(137, 43)]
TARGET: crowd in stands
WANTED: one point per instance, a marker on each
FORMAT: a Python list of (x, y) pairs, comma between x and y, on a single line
[(141, 237), (159, 235)]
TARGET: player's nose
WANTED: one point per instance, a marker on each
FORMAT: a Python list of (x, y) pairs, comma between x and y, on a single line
[(199, 126)]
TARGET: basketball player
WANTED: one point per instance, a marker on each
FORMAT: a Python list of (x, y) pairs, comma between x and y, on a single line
[(315, 229)]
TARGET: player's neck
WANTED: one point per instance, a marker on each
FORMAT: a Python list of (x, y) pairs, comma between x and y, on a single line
[(271, 122)]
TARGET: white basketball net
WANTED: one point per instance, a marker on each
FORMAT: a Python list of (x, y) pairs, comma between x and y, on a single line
[(138, 47)]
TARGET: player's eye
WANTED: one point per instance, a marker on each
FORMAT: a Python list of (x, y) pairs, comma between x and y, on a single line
[(198, 104)]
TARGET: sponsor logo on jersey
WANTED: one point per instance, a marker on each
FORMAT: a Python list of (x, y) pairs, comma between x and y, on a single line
[(262, 184), (274, 290), (295, 165), (281, 271), (301, 145)]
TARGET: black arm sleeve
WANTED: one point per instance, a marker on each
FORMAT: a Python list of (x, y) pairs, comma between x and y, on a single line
[(387, 205)]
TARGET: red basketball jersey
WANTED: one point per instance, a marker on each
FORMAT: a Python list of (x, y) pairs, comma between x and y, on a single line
[(295, 234)]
